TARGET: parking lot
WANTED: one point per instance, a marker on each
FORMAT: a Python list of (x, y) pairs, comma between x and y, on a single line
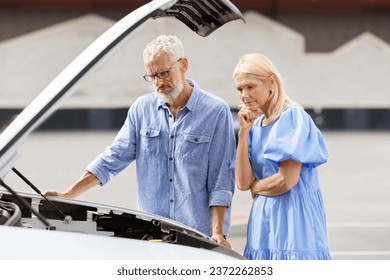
[(354, 182)]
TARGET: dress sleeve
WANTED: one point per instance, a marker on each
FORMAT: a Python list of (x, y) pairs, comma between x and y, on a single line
[(295, 136)]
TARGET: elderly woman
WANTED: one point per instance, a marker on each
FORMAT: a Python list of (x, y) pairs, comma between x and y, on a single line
[(279, 149)]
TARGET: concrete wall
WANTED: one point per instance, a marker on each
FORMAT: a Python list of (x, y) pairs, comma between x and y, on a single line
[(354, 75)]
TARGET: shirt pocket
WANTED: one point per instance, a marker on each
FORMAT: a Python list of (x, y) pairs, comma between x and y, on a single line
[(195, 147), (150, 142)]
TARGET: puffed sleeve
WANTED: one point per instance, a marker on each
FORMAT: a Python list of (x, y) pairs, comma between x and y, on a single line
[(295, 136)]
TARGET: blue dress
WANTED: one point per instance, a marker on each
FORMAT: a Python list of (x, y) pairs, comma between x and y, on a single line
[(290, 226)]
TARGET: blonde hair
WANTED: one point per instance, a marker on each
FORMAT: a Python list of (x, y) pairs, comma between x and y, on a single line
[(260, 65)]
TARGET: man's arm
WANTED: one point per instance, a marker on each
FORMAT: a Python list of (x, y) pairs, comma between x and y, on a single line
[(218, 215), (221, 175), (86, 182)]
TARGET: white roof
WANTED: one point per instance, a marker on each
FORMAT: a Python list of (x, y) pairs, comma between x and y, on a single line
[(353, 76)]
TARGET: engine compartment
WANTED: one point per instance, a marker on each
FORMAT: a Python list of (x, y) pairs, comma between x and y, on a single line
[(90, 218)]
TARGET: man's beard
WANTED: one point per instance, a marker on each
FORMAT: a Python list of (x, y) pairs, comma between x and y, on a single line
[(168, 97)]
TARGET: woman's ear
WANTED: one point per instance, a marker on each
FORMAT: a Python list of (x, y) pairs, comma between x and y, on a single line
[(272, 80)]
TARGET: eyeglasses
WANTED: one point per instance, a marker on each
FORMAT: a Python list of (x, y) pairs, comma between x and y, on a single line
[(160, 75)]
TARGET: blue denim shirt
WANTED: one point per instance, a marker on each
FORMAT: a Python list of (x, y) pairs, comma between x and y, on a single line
[(184, 166)]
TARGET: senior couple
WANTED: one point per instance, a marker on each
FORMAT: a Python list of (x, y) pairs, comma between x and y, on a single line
[(188, 165)]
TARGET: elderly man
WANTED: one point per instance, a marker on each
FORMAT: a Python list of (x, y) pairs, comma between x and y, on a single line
[(183, 141)]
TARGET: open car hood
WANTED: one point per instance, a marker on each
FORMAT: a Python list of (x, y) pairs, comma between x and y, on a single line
[(202, 17), (25, 216), (131, 228)]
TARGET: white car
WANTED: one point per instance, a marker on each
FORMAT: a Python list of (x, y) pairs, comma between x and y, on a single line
[(72, 229)]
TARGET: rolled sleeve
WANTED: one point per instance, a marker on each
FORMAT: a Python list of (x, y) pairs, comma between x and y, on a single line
[(221, 198), (100, 173)]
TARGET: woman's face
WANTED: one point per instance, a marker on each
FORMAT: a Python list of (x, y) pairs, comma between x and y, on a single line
[(254, 90)]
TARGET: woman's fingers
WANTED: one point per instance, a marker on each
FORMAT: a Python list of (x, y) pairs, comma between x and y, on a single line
[(247, 115)]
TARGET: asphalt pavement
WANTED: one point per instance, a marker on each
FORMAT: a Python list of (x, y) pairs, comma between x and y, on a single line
[(355, 185)]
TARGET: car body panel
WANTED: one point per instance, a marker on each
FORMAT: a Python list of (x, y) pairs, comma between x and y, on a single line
[(97, 231), (43, 244)]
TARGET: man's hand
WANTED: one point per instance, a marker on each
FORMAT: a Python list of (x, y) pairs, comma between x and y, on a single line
[(221, 240), (84, 183)]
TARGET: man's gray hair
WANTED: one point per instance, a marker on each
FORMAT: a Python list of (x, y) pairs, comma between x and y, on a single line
[(169, 44)]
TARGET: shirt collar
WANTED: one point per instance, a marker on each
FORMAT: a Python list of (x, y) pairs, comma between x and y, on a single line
[(191, 103)]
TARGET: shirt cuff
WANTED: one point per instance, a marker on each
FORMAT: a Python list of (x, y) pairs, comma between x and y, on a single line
[(103, 177), (221, 198)]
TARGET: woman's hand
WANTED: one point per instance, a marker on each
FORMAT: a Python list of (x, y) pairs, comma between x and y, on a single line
[(246, 117), (281, 182)]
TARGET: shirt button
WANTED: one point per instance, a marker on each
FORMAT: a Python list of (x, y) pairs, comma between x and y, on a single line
[(172, 136), (170, 116), (170, 158), (170, 180), (171, 200), (196, 139), (147, 133)]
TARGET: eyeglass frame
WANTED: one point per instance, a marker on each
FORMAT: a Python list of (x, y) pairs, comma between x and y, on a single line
[(165, 74)]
